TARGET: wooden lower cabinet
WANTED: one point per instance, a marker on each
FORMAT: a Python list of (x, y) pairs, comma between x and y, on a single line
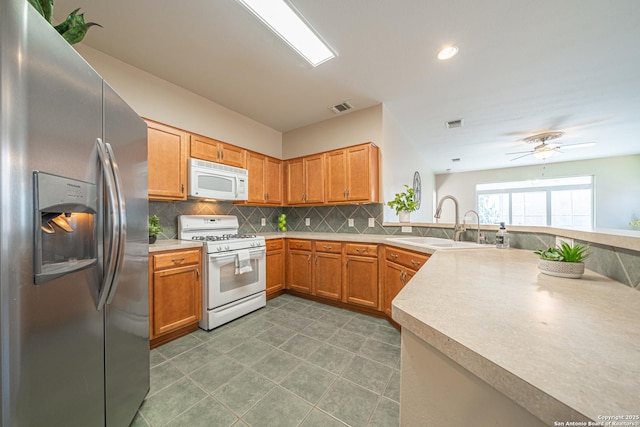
[(299, 266), (327, 270), (399, 267), (355, 274), (175, 294), (361, 275), (275, 266)]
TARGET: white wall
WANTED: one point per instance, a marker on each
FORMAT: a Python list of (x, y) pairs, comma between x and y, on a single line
[(157, 99), (400, 161), (341, 131), (617, 186)]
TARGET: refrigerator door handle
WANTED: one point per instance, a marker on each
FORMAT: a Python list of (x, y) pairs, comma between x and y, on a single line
[(112, 200), (122, 231)]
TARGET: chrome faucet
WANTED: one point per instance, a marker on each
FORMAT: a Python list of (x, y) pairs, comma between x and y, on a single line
[(458, 229), (464, 223)]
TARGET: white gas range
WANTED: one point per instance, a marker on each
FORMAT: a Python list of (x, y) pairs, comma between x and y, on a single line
[(234, 278)]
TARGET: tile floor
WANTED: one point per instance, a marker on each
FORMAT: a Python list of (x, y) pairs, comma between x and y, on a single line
[(293, 363)]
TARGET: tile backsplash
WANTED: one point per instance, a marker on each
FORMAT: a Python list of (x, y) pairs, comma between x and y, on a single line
[(620, 264)]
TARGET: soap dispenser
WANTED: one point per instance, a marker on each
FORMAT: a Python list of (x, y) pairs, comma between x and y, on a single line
[(502, 237)]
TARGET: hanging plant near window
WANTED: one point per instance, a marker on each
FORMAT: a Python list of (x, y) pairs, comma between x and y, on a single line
[(73, 29)]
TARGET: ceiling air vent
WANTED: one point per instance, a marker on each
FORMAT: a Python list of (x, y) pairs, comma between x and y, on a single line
[(341, 108), (452, 124)]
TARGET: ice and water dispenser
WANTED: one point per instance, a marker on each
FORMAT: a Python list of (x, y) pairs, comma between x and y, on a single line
[(65, 226)]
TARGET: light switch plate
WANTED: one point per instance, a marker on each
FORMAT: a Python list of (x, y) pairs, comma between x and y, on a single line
[(307, 221), (372, 222), (350, 221), (405, 229), (263, 222)]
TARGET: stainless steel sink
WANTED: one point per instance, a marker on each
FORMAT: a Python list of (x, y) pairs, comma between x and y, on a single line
[(436, 243)]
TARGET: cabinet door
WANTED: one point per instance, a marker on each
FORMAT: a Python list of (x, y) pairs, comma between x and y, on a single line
[(167, 162), (358, 173), (362, 281), (394, 280), (256, 167), (336, 169), (295, 181), (275, 270), (204, 148), (327, 275), (177, 299), (299, 271), (231, 155), (314, 179), (273, 180)]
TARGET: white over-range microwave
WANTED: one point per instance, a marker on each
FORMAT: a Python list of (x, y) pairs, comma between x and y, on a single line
[(209, 180)]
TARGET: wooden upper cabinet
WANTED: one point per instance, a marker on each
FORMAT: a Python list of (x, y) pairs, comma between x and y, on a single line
[(273, 180), (167, 161), (305, 180), (217, 151), (352, 174), (265, 179)]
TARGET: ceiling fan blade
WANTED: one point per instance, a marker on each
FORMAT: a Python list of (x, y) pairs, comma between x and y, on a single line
[(519, 152), (579, 145), (519, 157)]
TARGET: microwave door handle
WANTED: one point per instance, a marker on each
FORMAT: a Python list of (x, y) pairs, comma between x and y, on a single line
[(122, 229), (112, 206), (237, 185)]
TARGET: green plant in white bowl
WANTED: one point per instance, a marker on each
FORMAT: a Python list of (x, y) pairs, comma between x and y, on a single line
[(564, 260)]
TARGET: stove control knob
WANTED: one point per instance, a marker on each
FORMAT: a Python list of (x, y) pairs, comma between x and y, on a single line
[(227, 247), (219, 248)]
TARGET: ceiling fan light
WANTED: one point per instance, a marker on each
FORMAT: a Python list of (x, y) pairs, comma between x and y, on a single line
[(543, 154)]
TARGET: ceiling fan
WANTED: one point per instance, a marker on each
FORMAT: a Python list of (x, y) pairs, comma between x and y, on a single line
[(544, 149)]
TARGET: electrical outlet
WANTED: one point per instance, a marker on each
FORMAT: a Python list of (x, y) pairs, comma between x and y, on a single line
[(405, 229), (350, 221), (561, 240), (307, 221), (372, 222), (263, 222)]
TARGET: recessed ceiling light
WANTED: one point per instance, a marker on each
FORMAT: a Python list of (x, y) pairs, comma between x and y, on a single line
[(447, 53), (292, 28)]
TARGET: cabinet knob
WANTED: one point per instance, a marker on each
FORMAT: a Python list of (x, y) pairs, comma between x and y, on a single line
[(362, 250), (177, 259), (299, 245), (327, 247), (272, 245), (394, 256), (413, 262)]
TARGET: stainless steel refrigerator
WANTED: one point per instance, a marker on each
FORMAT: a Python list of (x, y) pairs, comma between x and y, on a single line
[(74, 348)]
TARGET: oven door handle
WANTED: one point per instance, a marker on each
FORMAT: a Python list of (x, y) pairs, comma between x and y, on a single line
[(233, 254)]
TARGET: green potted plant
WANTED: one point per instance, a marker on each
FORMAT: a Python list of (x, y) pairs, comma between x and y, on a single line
[(73, 29), (564, 260), (404, 203), (154, 228), (635, 224)]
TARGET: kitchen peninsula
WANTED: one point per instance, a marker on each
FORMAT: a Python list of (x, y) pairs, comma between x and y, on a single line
[(488, 340)]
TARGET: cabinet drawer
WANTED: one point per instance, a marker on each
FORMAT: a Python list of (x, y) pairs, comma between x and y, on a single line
[(275, 244), (301, 245), (362, 249), (412, 260), (328, 247), (176, 259)]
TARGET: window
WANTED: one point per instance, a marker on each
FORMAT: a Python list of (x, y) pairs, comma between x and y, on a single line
[(558, 202)]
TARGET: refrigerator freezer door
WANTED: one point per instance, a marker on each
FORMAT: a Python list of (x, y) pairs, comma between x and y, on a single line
[(52, 348), (127, 313)]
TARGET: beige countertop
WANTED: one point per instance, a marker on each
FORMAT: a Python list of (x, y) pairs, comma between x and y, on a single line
[(173, 244), (564, 349)]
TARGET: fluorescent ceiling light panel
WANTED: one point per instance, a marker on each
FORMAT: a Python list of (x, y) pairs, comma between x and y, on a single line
[(285, 22)]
